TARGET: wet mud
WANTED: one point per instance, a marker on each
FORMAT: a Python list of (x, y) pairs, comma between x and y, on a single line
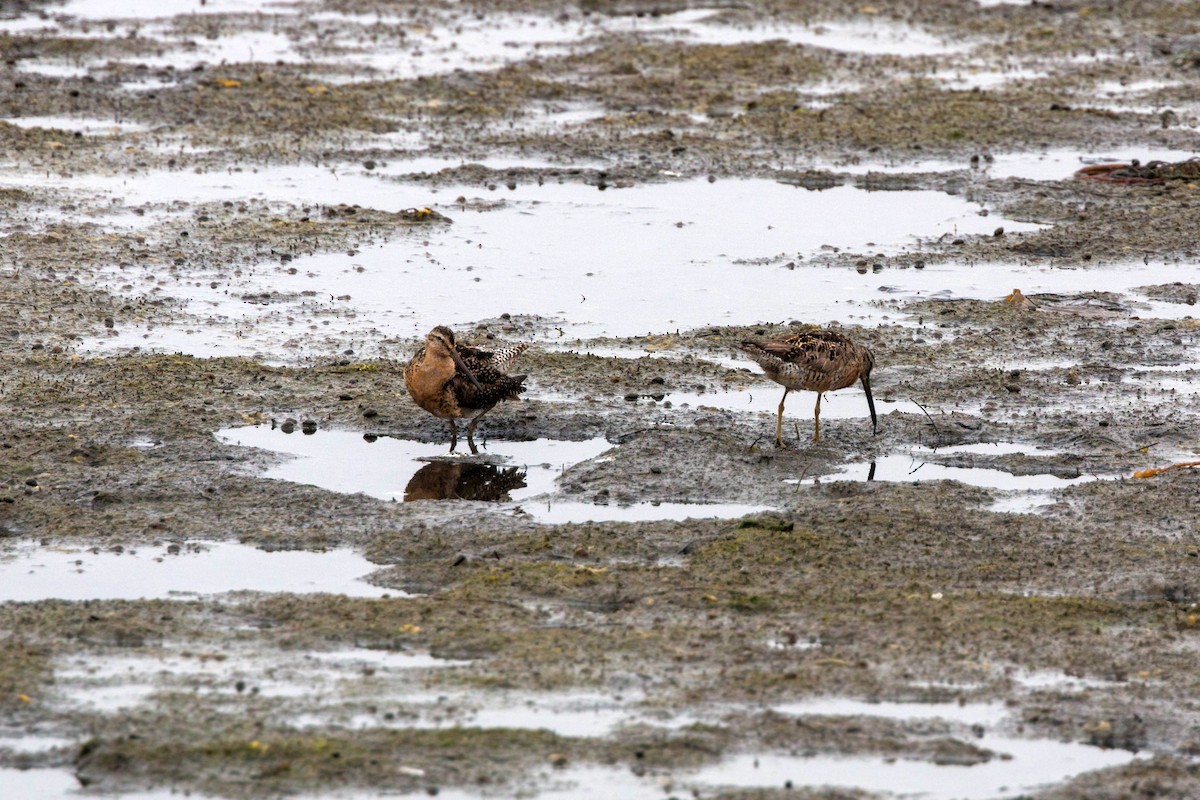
[(852, 582)]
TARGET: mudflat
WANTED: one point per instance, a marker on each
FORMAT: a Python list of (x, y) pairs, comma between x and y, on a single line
[(632, 591)]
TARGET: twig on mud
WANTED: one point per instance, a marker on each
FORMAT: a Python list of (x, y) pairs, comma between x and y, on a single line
[(930, 418), (803, 474), (621, 438)]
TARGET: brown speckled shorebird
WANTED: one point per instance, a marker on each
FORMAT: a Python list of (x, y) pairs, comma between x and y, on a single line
[(451, 380), (819, 361)]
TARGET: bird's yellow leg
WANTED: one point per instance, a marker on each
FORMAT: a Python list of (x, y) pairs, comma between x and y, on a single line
[(817, 420), (779, 423)]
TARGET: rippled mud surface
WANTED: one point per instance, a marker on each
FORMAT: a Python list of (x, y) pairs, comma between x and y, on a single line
[(236, 560)]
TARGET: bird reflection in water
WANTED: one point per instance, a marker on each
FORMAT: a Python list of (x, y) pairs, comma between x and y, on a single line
[(444, 480)]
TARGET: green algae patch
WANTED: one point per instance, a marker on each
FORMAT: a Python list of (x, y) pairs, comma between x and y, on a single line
[(759, 545), (929, 116), (45, 626), (508, 646), (1172, 778), (245, 762), (25, 674), (862, 735), (692, 77), (546, 579), (242, 761), (308, 621)]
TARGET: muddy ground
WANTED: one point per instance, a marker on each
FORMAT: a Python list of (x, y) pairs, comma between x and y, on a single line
[(904, 592)]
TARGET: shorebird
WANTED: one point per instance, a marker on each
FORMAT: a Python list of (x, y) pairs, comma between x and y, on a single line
[(819, 361), (452, 381)]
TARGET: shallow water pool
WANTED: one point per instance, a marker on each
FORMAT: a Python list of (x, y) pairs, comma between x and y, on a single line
[(29, 572)]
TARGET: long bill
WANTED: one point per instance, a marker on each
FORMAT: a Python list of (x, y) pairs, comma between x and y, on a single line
[(462, 366), (866, 382)]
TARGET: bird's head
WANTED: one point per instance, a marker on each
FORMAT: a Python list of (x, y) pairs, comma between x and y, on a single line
[(440, 338)]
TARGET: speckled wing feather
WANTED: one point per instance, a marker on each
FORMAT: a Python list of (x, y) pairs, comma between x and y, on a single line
[(497, 359), (816, 360), (488, 393), (816, 350), (494, 384)]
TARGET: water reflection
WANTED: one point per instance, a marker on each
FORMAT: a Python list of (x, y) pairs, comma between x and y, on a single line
[(445, 480), (387, 467)]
